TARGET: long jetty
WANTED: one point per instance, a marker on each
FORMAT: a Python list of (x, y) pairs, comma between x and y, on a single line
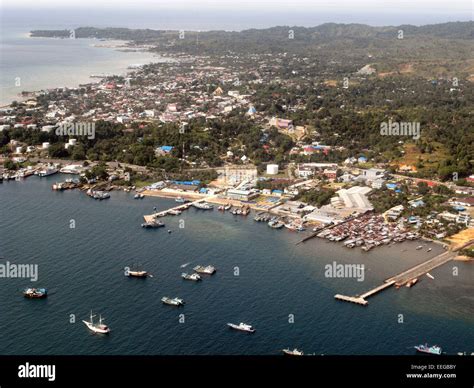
[(184, 206), (405, 276)]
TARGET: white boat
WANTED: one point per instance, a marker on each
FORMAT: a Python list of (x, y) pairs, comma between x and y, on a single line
[(294, 352), (208, 270), (203, 206), (419, 247), (430, 276), (194, 276), (174, 212), (242, 327), (138, 196), (97, 327), (172, 301), (47, 171)]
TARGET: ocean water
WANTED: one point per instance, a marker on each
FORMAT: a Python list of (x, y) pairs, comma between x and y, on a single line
[(83, 270)]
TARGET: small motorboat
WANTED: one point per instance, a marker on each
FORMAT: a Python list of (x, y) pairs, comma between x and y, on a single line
[(242, 327), (172, 301)]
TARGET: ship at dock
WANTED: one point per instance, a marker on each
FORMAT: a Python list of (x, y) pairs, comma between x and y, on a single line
[(153, 224), (203, 206)]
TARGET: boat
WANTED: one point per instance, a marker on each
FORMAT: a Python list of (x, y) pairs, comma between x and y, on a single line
[(294, 352), (35, 293), (412, 282), (136, 274), (184, 265), (203, 206), (97, 327), (208, 270), (174, 212), (430, 276), (227, 207), (172, 301), (429, 349), (419, 247), (429, 249), (47, 172), (138, 196), (221, 208), (181, 200), (194, 276), (275, 224), (242, 327), (153, 224)]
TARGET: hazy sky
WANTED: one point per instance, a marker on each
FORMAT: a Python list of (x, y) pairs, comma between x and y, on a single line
[(431, 6)]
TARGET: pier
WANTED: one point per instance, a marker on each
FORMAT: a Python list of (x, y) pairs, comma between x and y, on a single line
[(406, 276), (183, 206)]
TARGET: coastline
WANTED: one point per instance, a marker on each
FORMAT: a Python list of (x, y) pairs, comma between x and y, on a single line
[(76, 81)]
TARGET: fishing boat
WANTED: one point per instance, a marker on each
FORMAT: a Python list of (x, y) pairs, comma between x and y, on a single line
[(227, 207), (428, 349), (194, 276), (172, 301), (35, 293), (294, 352), (412, 282), (203, 206), (242, 327), (153, 224), (136, 273), (98, 327), (208, 270)]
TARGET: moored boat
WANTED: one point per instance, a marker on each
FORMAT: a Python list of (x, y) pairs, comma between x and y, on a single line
[(35, 293), (99, 327), (203, 206), (194, 276), (207, 270), (153, 224)]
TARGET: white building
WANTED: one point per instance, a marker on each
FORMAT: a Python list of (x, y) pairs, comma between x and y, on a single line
[(272, 169), (355, 197)]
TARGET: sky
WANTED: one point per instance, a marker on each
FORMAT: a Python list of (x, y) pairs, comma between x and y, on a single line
[(229, 14), (441, 6)]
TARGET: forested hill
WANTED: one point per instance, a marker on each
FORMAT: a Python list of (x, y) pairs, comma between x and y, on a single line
[(451, 30)]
